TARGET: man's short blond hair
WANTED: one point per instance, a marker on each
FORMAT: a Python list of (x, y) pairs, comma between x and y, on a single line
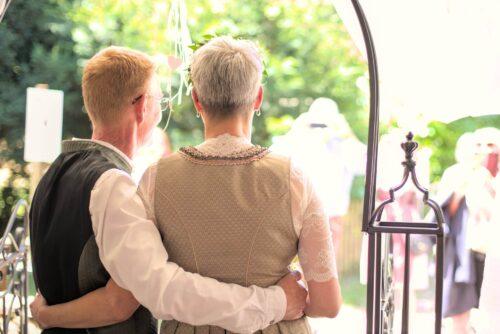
[(226, 75), (113, 78)]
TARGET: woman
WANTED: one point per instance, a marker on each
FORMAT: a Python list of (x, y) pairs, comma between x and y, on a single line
[(490, 301), (462, 187), (231, 210), (490, 294)]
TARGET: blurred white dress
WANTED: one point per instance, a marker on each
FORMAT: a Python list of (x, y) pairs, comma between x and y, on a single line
[(490, 293)]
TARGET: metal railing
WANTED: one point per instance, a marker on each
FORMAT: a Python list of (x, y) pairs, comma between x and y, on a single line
[(14, 270), (380, 306)]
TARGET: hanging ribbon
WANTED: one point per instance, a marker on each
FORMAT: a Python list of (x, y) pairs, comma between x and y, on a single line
[(178, 60)]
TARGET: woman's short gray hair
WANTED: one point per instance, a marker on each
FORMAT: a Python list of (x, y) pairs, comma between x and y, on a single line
[(226, 75)]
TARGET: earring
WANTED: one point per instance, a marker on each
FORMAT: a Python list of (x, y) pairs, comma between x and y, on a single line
[(257, 112), (197, 114)]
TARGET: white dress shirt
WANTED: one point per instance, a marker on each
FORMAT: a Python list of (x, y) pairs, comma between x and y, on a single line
[(131, 249)]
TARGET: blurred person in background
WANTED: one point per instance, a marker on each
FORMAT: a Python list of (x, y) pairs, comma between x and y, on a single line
[(323, 144), (461, 190), (489, 144)]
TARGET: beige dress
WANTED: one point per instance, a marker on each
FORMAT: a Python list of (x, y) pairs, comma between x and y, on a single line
[(231, 217)]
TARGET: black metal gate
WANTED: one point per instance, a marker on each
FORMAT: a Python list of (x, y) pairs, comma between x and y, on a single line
[(380, 303), (14, 271)]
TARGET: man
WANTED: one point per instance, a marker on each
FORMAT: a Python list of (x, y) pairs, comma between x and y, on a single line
[(89, 186)]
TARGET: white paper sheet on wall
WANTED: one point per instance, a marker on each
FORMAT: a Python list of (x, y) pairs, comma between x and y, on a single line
[(44, 115)]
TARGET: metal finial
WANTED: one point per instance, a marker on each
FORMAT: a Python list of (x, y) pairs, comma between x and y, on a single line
[(409, 147)]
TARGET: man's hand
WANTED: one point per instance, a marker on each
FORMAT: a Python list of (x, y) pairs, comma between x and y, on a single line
[(296, 295), (36, 307)]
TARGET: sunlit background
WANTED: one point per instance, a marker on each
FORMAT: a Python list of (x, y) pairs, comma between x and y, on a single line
[(310, 52)]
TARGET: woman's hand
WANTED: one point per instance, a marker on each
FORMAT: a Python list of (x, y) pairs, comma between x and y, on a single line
[(37, 307)]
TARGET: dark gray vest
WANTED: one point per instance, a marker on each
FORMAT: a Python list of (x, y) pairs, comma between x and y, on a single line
[(66, 260)]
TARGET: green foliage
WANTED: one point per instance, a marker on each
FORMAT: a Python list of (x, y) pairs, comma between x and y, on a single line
[(279, 126), (353, 292), (443, 137), (13, 186), (308, 53), (36, 46)]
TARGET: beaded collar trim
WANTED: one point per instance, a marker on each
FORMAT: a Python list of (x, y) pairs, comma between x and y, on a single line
[(238, 158)]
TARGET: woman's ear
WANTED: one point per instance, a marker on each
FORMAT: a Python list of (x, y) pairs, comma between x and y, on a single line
[(258, 100), (196, 101)]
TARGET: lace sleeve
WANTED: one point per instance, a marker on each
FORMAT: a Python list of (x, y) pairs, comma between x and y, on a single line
[(316, 251)]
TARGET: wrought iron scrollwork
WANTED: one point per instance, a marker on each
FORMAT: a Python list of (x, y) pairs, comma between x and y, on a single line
[(14, 271), (380, 261), (387, 287), (409, 164), (380, 289)]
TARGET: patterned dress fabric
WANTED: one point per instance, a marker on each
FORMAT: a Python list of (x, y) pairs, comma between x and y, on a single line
[(231, 210)]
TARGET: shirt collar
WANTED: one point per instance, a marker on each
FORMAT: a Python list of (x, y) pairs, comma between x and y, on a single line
[(110, 146), (224, 144)]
